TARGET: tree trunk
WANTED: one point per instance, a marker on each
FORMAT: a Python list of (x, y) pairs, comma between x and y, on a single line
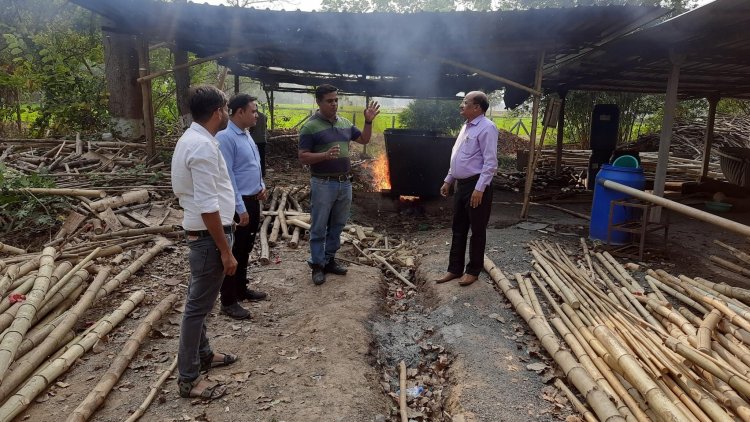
[(182, 83), (125, 99)]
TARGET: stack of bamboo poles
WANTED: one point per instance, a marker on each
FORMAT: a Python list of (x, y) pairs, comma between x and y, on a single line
[(42, 299), (678, 169), (285, 220), (76, 163), (668, 347)]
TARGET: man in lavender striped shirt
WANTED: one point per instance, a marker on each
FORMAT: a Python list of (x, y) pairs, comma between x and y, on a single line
[(473, 164)]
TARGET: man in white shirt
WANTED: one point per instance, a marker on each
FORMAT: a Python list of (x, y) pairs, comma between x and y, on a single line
[(201, 183)]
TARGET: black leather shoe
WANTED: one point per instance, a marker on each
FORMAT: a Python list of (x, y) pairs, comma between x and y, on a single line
[(318, 276), (252, 295), (235, 311), (333, 267)]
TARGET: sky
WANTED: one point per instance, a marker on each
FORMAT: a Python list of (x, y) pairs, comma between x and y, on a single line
[(310, 5)]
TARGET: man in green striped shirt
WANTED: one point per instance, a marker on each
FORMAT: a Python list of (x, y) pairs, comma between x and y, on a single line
[(324, 146)]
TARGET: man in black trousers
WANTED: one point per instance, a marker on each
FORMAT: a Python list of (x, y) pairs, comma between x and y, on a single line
[(473, 164)]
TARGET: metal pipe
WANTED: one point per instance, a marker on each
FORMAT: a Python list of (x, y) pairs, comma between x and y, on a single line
[(681, 208)]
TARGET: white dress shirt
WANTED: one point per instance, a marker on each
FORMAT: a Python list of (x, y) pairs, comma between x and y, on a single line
[(200, 179)]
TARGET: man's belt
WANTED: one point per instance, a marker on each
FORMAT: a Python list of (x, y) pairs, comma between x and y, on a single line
[(250, 197), (340, 178), (203, 233), (472, 179)]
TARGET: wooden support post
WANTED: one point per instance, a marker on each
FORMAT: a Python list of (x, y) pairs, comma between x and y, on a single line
[(364, 147), (560, 133), (709, 138), (148, 109), (665, 139), (271, 110), (532, 138), (236, 84)]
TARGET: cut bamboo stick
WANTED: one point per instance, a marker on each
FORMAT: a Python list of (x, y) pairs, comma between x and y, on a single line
[(402, 392), (155, 387), (120, 363)]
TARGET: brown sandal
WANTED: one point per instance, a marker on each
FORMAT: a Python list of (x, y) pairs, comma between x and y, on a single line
[(210, 392), (208, 362)]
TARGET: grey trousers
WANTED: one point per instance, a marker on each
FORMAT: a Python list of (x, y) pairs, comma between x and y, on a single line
[(206, 276)]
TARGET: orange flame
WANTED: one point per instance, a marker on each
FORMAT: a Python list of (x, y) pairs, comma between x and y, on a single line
[(380, 174)]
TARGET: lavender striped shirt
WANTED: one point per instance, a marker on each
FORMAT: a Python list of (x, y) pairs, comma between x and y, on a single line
[(475, 153)]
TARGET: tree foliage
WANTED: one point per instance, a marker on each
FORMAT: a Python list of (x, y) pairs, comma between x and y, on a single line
[(439, 115), (52, 64)]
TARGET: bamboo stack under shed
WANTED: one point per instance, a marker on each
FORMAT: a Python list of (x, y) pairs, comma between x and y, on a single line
[(658, 346)]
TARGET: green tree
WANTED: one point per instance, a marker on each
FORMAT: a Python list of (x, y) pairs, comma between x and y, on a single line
[(439, 115), (52, 61)]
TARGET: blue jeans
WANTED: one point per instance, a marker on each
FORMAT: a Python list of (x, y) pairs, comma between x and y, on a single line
[(330, 205), (206, 276)]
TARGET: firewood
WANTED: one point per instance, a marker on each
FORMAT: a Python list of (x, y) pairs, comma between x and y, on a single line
[(120, 363), (41, 380), (393, 270)]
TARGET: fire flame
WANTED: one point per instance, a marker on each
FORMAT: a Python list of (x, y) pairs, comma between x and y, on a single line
[(380, 174)]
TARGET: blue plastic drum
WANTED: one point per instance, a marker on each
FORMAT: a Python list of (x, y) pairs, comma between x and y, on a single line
[(627, 176)]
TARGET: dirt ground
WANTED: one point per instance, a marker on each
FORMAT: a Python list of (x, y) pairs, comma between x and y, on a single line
[(324, 353)]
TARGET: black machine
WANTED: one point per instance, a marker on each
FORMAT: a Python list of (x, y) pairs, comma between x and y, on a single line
[(418, 161), (605, 123)]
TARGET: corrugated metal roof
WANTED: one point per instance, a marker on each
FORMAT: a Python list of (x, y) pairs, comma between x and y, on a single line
[(383, 54), (714, 40)]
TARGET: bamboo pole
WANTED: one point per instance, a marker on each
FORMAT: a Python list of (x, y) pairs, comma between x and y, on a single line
[(706, 329), (88, 193), (577, 404), (134, 232), (402, 392), (630, 369), (12, 339), (13, 272), (264, 244), (742, 256), (134, 267), (120, 363), (155, 387), (18, 402), (678, 207), (576, 374), (11, 249), (127, 198), (24, 366), (731, 266), (282, 215)]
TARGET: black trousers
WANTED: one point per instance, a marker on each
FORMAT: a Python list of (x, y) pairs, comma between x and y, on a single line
[(262, 152), (244, 239), (464, 218)]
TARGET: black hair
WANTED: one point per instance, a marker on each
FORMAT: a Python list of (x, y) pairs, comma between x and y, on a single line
[(324, 89), (483, 102), (240, 101), (204, 100)]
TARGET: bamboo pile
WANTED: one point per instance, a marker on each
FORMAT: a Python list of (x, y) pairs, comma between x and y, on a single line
[(653, 345), (285, 221), (688, 137), (78, 164), (678, 169)]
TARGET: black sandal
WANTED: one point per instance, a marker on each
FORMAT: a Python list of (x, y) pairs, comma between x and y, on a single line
[(211, 392), (208, 362)]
